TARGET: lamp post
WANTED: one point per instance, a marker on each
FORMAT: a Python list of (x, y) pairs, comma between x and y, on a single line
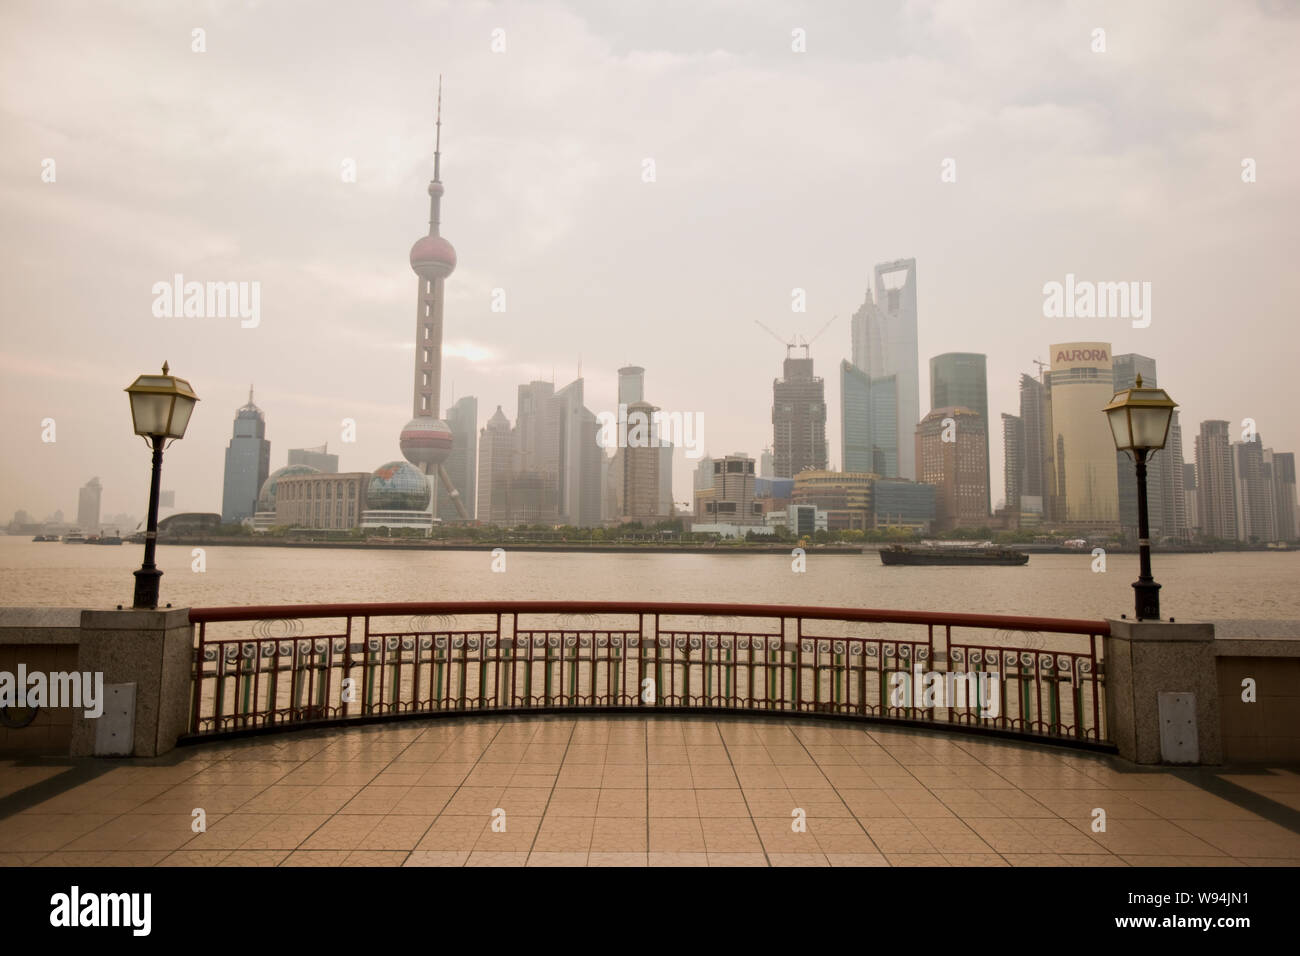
[(1139, 422), (161, 406)]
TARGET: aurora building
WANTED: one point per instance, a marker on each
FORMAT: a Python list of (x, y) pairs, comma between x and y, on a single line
[(1080, 384)]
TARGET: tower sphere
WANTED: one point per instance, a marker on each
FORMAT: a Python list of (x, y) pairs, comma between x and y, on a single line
[(426, 441), (432, 257)]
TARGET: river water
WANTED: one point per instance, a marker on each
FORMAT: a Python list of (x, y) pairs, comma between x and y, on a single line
[(1195, 586)]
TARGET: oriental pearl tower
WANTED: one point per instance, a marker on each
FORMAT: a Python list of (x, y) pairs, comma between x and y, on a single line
[(426, 441)]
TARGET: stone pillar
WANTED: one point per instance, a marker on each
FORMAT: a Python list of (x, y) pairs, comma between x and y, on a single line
[(1145, 659), (152, 650)]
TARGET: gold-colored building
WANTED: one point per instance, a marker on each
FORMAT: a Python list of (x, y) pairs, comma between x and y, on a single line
[(1081, 383)]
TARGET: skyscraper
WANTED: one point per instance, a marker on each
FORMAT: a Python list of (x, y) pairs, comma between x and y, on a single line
[(427, 441), (1173, 494), (1216, 495), (1013, 458), (462, 464), (631, 384), (640, 493), (884, 334), (868, 422), (960, 380), (1126, 368), (1191, 497), (1036, 422), (496, 463), (950, 450), (1253, 490), (1081, 384), (1284, 488), (248, 462), (577, 456), (798, 419), (88, 506)]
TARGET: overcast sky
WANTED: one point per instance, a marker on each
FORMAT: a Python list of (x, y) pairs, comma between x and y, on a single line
[(775, 170)]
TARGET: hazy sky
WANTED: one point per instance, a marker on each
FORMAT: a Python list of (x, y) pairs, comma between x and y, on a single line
[(775, 170)]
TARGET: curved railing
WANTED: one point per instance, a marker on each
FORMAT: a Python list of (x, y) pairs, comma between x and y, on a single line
[(297, 665)]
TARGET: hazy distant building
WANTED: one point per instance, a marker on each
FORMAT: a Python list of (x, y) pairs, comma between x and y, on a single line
[(167, 499), (1284, 490), (248, 462), (1036, 425), (578, 457), (330, 501), (1253, 490), (1013, 462), (1125, 369), (960, 380), (731, 500), (265, 515), (462, 463), (702, 480), (496, 464), (900, 503), (666, 478), (884, 331), (766, 464), (318, 458), (1216, 496), (631, 391), (868, 421), (537, 429), (641, 463), (88, 506), (798, 419), (1173, 496), (844, 496), (1190, 497), (1081, 383), (631, 384), (950, 453)]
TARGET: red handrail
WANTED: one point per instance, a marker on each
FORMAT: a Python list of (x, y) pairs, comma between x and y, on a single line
[(1007, 621)]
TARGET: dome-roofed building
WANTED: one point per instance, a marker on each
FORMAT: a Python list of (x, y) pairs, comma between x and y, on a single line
[(266, 498), (398, 496), (264, 516)]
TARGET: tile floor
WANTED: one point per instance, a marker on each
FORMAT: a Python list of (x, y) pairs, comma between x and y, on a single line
[(615, 791)]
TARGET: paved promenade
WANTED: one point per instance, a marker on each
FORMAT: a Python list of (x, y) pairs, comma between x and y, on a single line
[(612, 791)]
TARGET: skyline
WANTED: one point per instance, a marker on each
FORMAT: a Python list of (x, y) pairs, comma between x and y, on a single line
[(237, 201)]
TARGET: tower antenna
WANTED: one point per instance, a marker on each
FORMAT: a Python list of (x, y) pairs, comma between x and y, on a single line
[(437, 140)]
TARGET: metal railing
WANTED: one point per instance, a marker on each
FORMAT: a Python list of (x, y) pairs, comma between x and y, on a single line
[(294, 665)]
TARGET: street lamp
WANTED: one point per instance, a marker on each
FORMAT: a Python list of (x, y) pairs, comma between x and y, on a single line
[(1139, 422), (161, 406)]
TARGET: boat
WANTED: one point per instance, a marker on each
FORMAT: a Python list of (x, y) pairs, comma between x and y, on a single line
[(948, 556), (46, 537), (114, 538), (75, 536)]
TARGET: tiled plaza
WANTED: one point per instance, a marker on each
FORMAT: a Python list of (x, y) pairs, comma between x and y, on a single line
[(615, 791)]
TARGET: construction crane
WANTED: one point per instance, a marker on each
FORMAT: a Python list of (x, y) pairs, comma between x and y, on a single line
[(1041, 365), (794, 342)]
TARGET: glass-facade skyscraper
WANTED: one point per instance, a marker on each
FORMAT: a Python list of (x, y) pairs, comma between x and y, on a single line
[(248, 462), (868, 422), (884, 333), (960, 380)]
